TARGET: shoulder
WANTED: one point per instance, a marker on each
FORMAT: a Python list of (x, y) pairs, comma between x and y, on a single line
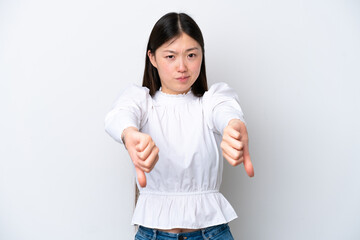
[(133, 96), (220, 86), (134, 90), (218, 91)]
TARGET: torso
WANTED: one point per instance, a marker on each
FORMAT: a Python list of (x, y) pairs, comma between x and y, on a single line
[(183, 187)]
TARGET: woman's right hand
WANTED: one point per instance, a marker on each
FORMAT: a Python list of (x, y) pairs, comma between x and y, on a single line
[(142, 150)]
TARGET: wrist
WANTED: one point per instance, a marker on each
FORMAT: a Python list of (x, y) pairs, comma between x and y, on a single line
[(125, 133)]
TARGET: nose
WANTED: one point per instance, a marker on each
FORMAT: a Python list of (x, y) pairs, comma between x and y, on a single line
[(182, 67)]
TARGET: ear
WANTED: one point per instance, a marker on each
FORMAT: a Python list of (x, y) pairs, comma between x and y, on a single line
[(152, 58)]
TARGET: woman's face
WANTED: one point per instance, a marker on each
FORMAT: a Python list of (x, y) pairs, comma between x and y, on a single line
[(178, 62)]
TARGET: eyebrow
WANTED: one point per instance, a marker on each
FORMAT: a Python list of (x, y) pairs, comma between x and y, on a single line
[(187, 50)]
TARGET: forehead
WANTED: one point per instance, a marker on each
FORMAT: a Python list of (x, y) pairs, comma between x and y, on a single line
[(182, 41)]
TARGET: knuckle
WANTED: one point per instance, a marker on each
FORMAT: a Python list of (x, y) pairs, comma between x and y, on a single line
[(239, 154), (147, 138), (147, 167), (156, 149), (233, 163), (141, 155), (137, 164), (147, 164)]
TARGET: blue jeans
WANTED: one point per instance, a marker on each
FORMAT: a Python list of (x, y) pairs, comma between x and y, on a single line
[(219, 232)]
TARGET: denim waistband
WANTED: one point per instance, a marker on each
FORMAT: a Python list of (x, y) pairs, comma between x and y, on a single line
[(205, 233)]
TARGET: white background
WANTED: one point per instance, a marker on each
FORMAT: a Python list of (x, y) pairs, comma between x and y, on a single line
[(295, 65)]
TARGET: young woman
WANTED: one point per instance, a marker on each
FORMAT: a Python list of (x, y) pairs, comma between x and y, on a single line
[(176, 132)]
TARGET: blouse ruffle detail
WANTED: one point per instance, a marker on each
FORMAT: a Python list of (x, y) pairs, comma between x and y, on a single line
[(189, 210)]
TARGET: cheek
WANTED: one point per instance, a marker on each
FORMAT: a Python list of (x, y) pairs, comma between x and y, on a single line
[(197, 67), (164, 69)]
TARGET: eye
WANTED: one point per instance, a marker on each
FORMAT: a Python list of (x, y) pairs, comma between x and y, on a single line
[(192, 55), (170, 56)]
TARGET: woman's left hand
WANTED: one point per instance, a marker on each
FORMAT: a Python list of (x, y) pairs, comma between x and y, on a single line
[(235, 145)]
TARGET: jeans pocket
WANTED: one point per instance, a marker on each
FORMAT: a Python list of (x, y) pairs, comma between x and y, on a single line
[(140, 236), (225, 234)]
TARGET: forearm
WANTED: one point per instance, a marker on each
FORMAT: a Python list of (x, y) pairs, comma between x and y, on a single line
[(223, 114)]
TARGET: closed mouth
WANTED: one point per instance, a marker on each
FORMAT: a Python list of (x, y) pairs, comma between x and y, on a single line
[(183, 78)]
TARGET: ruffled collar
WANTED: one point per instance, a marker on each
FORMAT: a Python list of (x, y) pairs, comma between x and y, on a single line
[(171, 98)]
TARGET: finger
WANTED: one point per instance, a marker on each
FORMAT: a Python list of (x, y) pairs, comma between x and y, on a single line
[(229, 159), (141, 177), (249, 168), (144, 141), (150, 162), (233, 162), (243, 132), (146, 152), (156, 159), (234, 133), (232, 142), (233, 153)]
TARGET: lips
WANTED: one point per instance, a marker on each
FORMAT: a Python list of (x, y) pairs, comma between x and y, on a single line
[(182, 79)]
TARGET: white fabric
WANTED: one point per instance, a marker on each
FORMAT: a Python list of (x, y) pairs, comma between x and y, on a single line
[(183, 188)]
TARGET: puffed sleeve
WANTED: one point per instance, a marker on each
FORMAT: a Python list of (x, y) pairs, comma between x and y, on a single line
[(129, 110), (221, 104)]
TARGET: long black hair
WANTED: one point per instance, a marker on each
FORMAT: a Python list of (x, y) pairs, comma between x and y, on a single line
[(169, 26)]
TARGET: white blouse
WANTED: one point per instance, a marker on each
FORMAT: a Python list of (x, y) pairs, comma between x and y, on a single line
[(182, 190)]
